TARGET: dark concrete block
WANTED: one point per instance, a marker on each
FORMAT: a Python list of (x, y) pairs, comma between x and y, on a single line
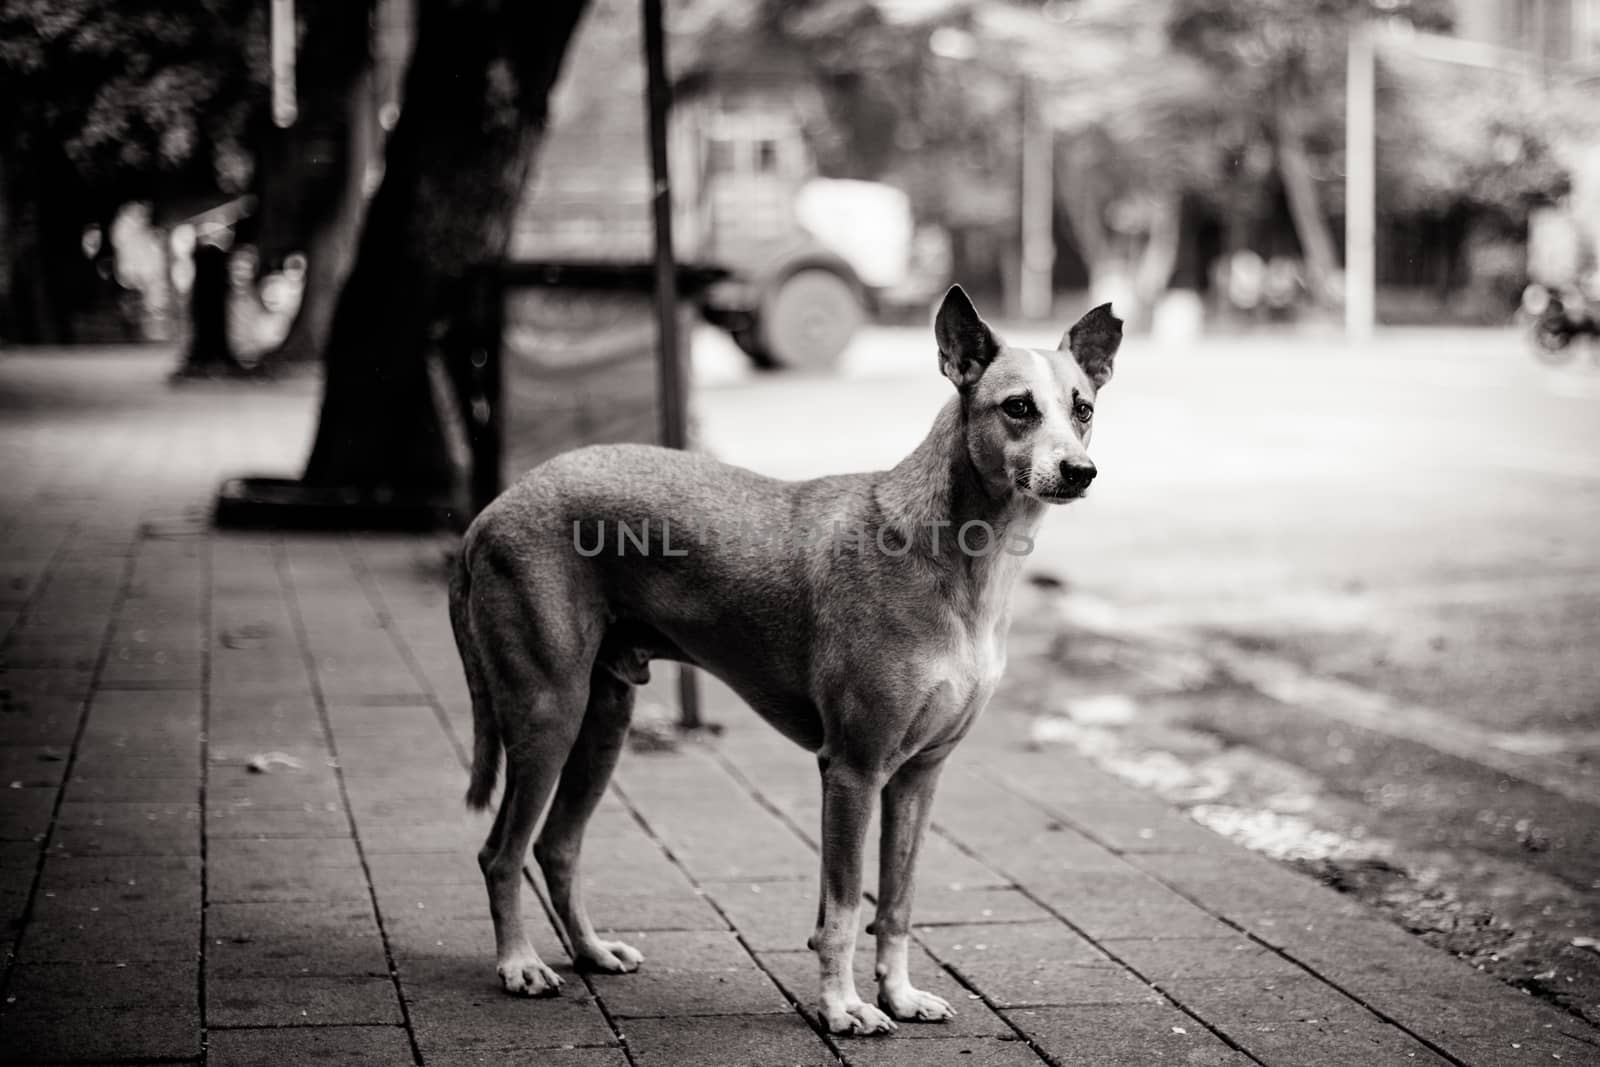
[(300, 1001), (1207, 957), (279, 1046), (945, 1052), (549, 1057), (776, 916), (728, 1041), (89, 1011), (310, 869), (83, 789), (78, 931), (1129, 1033), (329, 939), (458, 1006), (127, 829), (251, 821), (26, 812), (1105, 904), (1228, 1002), (1034, 963), (690, 973)]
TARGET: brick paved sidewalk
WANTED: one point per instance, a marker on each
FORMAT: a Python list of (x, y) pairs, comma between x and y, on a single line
[(165, 902)]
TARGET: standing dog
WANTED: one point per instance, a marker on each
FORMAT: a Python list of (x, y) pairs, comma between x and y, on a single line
[(875, 648)]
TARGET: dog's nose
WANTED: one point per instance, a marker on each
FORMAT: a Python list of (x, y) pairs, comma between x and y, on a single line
[(1076, 475)]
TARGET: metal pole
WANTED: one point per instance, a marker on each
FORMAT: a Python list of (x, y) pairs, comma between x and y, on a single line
[(1038, 208), (674, 384), (284, 108), (1360, 186)]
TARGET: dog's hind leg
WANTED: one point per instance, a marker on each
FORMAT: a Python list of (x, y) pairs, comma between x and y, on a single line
[(539, 715), (583, 783)]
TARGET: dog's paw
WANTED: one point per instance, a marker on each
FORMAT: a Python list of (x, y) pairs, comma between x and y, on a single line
[(527, 976), (915, 1005), (855, 1017), (610, 957)]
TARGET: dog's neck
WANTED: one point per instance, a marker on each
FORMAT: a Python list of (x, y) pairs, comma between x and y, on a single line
[(937, 489)]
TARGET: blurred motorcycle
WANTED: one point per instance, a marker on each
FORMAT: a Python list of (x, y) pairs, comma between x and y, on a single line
[(1559, 318)]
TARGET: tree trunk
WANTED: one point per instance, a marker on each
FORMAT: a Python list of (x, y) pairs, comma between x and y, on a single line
[(1300, 188), (1159, 257), (332, 243), (476, 100), (312, 208)]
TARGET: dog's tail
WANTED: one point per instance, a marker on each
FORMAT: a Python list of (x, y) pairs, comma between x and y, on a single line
[(485, 727)]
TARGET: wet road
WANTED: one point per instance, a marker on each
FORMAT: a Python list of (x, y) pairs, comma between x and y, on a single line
[(1343, 605)]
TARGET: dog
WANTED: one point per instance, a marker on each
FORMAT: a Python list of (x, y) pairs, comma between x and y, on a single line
[(876, 654)]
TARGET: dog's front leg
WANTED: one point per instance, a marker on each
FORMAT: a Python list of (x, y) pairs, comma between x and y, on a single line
[(847, 794), (907, 802)]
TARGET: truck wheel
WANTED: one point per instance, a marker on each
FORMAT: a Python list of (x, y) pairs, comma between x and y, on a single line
[(809, 318)]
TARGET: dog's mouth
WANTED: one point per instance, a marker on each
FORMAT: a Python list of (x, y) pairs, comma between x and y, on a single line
[(1059, 496)]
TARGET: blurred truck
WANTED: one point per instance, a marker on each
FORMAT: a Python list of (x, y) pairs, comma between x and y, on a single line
[(810, 257)]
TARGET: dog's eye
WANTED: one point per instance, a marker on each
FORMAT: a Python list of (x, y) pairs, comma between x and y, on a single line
[(1019, 407), (1082, 412)]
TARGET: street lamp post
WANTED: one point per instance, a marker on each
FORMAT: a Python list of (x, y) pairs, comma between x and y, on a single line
[(1360, 185)]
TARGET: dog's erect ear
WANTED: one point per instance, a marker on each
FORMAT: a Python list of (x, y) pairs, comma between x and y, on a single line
[(1093, 341), (966, 344)]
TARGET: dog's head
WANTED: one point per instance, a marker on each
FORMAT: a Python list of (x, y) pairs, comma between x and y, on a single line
[(1028, 412)]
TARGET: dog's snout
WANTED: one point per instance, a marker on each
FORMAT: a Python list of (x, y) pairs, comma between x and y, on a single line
[(1076, 475)]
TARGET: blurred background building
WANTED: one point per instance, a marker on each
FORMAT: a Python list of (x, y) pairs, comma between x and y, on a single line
[(845, 159)]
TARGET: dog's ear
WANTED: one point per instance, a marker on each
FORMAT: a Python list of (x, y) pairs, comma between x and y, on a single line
[(966, 344), (1093, 341)]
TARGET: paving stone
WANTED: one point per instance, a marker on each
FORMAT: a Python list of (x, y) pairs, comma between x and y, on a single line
[(309, 1000), (1483, 1025), (1033, 963), (462, 835), (88, 1011), (644, 909), (400, 869), (251, 821), (84, 789), (310, 869), (798, 974), (109, 763), (1097, 1036), (457, 1005), (942, 1052), (1107, 904), (313, 784), (83, 932), (1242, 886), (549, 1057), (424, 935), (938, 904), (26, 814), (1333, 1042), (32, 765), (775, 916), (328, 939), (728, 1041), (690, 973), (127, 829), (1207, 957), (1227, 1002), (280, 1046), (1363, 953), (109, 880)]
